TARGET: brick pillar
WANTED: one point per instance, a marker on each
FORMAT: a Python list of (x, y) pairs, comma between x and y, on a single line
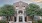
[(27, 18), (11, 18)]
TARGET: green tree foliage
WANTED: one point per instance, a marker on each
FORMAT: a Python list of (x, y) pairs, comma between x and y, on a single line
[(40, 21), (39, 12), (0, 11), (32, 9), (7, 10)]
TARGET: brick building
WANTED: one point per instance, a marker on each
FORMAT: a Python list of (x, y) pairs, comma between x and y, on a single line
[(20, 14)]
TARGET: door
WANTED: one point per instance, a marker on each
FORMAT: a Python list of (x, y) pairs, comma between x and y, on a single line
[(20, 19)]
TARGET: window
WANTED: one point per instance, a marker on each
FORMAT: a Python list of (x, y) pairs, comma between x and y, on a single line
[(25, 19), (14, 19), (17, 7), (20, 18), (20, 11), (23, 6)]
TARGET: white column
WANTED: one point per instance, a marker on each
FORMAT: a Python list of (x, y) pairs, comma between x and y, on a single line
[(17, 11), (23, 19), (17, 19)]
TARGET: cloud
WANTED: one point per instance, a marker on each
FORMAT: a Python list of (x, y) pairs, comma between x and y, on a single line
[(39, 1), (13, 1), (27, 1), (6, 1)]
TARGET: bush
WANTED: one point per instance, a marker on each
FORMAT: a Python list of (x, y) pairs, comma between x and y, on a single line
[(35, 21), (2, 21), (40, 21)]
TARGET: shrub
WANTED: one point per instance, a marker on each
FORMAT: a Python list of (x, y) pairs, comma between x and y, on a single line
[(40, 21), (2, 21)]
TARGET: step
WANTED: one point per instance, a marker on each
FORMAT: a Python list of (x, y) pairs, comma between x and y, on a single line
[(19, 22)]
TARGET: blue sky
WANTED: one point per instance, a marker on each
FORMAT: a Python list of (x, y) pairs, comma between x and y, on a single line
[(2, 2)]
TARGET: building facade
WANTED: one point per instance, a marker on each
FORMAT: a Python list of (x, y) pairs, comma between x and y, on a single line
[(20, 11), (20, 15)]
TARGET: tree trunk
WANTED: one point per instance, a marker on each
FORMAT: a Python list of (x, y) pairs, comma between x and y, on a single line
[(32, 18), (38, 21), (7, 18)]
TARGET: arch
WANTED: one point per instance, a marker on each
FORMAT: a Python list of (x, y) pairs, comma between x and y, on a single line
[(20, 11)]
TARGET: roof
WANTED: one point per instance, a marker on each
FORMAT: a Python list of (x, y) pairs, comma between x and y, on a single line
[(20, 2)]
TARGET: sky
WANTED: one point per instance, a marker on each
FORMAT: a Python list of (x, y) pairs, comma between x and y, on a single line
[(2, 2)]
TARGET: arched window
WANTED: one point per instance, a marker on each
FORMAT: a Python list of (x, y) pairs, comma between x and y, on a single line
[(17, 6), (20, 12)]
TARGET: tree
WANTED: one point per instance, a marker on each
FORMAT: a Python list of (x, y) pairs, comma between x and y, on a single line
[(32, 10), (0, 11), (8, 11), (39, 13)]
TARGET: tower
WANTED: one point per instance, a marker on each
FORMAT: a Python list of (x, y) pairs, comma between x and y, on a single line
[(20, 11)]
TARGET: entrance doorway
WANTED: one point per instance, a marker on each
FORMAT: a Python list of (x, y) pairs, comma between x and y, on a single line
[(20, 19)]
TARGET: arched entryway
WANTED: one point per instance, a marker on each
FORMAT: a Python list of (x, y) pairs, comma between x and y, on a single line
[(20, 11)]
